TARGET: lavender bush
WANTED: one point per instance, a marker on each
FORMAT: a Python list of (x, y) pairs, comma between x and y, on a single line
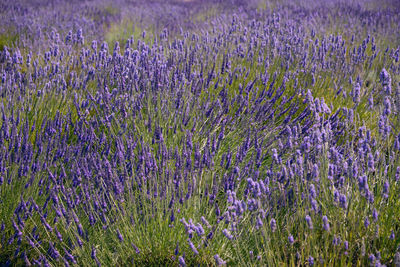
[(261, 133)]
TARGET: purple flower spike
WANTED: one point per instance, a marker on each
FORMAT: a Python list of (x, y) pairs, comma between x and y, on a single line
[(199, 230), (227, 234), (259, 223), (177, 249), (313, 193), (181, 261), (386, 81), (392, 236), (309, 222), (375, 215), (273, 225), (343, 201), (68, 256), (93, 255), (205, 222), (326, 223), (386, 187), (193, 248), (366, 222), (311, 261), (137, 250), (53, 252), (291, 239), (120, 237), (219, 261), (371, 259)]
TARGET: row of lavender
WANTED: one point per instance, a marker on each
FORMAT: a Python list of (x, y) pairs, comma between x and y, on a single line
[(259, 141), (29, 24)]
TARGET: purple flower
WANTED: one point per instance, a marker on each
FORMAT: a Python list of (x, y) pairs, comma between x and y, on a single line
[(392, 236), (53, 252), (94, 45), (309, 222), (386, 187), (366, 222), (44, 261), (199, 230), (362, 183), (326, 223), (396, 147), (343, 201), (217, 210), (346, 245), (120, 237), (68, 256), (388, 108), (227, 234), (259, 222), (210, 235), (26, 260), (370, 196), (193, 248), (137, 250), (356, 93), (176, 252), (273, 225), (375, 215), (315, 171), (46, 225), (181, 261), (58, 234), (80, 229), (371, 258), (371, 102), (313, 194), (93, 255), (314, 205), (291, 239), (79, 241), (311, 261), (386, 81), (371, 164), (218, 260), (336, 241), (205, 222)]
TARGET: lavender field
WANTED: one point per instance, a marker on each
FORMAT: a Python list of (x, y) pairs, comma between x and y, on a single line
[(199, 133)]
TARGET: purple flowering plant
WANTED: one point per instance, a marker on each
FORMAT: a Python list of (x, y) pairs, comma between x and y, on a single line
[(194, 132)]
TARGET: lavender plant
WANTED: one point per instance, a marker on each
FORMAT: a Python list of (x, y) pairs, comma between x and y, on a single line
[(137, 133)]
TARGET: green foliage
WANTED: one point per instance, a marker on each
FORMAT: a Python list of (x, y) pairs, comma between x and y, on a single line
[(8, 39)]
